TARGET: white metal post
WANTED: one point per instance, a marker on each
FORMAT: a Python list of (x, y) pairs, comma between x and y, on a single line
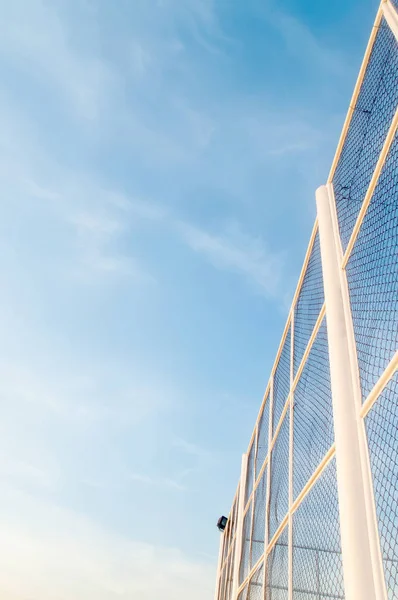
[(239, 526), (391, 16), (356, 553), (374, 540), (254, 475), (291, 448), (267, 493), (220, 555)]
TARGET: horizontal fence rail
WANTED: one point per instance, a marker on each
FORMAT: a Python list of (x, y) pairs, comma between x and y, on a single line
[(315, 514)]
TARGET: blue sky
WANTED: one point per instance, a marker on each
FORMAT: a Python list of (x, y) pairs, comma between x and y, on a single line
[(158, 161)]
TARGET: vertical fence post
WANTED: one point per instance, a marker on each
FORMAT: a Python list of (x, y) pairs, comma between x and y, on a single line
[(254, 475), (219, 564), (291, 466), (373, 531), (267, 493), (239, 526), (356, 553)]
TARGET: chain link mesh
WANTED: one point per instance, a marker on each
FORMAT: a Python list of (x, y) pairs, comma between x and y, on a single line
[(230, 575), (262, 438), (309, 303), (313, 413), (243, 594), (246, 536), (281, 382), (381, 426), (258, 534), (277, 580), (256, 585), (234, 515), (227, 578), (226, 541), (371, 119), (250, 471), (279, 491), (317, 563), (223, 578), (373, 278)]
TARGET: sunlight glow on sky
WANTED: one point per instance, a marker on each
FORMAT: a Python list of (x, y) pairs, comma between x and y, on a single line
[(158, 161)]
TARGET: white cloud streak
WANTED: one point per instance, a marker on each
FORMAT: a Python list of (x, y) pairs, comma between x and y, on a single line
[(235, 251), (161, 482), (190, 448), (47, 551), (35, 36), (312, 51)]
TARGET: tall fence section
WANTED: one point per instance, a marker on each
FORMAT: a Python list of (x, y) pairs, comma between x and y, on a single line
[(315, 514)]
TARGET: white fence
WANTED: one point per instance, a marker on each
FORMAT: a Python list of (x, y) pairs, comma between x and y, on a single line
[(315, 515)]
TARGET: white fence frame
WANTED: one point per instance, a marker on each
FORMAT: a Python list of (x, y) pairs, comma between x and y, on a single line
[(361, 553)]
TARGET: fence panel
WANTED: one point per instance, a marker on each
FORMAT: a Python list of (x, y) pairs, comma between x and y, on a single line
[(293, 479)]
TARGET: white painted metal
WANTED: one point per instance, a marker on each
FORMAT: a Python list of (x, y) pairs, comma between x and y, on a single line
[(361, 555), (372, 186), (391, 16), (266, 528), (239, 525), (355, 94), (380, 385), (291, 416), (356, 552), (377, 561), (220, 555)]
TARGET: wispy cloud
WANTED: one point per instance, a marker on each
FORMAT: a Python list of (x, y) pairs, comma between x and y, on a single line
[(27, 474), (96, 264), (93, 220), (190, 448), (101, 219), (162, 482), (40, 192), (38, 41), (312, 51), (135, 207), (199, 18), (83, 560), (98, 236), (79, 395), (235, 251), (131, 112)]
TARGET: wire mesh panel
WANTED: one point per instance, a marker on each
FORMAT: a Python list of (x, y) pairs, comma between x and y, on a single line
[(281, 382), (382, 430), (256, 585), (313, 413), (230, 575), (279, 492), (246, 536), (262, 437), (309, 303), (250, 471), (277, 566), (227, 578), (223, 581), (317, 562), (243, 594), (258, 533), (372, 274), (234, 515), (370, 122), (226, 540)]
